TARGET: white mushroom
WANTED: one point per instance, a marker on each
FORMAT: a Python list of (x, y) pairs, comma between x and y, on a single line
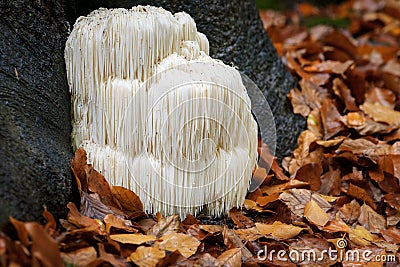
[(156, 114)]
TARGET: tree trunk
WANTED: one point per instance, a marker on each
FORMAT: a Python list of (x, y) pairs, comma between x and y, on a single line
[(237, 37), (34, 110)]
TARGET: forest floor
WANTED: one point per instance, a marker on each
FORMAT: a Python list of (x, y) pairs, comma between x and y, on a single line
[(334, 202)]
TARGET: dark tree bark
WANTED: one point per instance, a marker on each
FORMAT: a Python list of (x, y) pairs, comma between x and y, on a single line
[(34, 110), (236, 36)]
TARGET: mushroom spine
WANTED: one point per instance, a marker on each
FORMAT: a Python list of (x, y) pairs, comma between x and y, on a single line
[(157, 114)]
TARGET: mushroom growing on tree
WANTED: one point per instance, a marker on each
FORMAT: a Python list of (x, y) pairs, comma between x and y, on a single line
[(156, 114)]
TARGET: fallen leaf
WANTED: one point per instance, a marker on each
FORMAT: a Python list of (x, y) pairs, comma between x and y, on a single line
[(382, 113), (278, 188), (361, 236), (330, 143), (371, 220), (147, 256), (392, 67), (360, 194), (381, 96), (190, 220), (391, 235), (310, 173), (241, 220), (166, 225), (335, 226), (330, 183), (22, 233), (231, 258), (314, 123), (296, 200), (51, 224), (185, 244), (112, 221), (44, 248), (232, 240), (279, 230), (393, 217), (307, 99), (79, 220), (135, 239), (331, 119), (98, 184), (108, 257), (393, 200), (340, 41), (315, 214), (207, 260), (92, 207), (78, 165), (211, 228), (302, 153), (80, 257), (343, 91), (349, 212), (264, 200), (128, 200), (363, 147), (330, 66), (252, 205)]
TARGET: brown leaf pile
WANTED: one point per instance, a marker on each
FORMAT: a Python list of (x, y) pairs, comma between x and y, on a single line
[(339, 186)]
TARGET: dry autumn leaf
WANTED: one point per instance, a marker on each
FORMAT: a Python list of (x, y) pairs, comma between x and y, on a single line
[(349, 212), (382, 113), (128, 200), (79, 220), (279, 230), (147, 256), (118, 223), (310, 173), (135, 239), (391, 235), (185, 244), (231, 258), (166, 225), (361, 236), (241, 220), (78, 165), (98, 184), (371, 220), (80, 257), (44, 248), (296, 200), (315, 214)]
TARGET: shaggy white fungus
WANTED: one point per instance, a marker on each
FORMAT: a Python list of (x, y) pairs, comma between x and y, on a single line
[(156, 114)]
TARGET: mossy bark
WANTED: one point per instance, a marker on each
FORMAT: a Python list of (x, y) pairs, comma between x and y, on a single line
[(34, 110)]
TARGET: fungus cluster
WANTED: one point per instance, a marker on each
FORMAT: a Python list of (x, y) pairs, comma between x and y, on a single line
[(156, 114)]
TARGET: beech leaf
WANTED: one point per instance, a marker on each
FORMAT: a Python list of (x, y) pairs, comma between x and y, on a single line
[(185, 244), (147, 256), (315, 214), (279, 230), (231, 258), (135, 239)]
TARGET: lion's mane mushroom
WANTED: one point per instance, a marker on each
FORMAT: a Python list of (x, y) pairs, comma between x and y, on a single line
[(158, 115)]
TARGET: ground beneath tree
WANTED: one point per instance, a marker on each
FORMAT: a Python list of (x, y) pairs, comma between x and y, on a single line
[(334, 202)]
